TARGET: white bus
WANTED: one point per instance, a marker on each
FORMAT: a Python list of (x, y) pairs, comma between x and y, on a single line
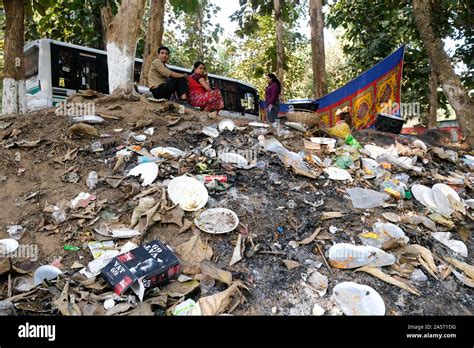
[(60, 69)]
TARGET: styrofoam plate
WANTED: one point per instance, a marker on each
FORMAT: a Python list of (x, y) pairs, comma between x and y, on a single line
[(189, 193), (8, 245), (46, 272), (217, 221), (357, 299)]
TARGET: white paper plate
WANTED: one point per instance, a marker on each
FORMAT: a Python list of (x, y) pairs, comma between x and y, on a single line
[(424, 195), (8, 245), (172, 151), (47, 272), (337, 173), (189, 193), (357, 299), (217, 221), (447, 191), (147, 171)]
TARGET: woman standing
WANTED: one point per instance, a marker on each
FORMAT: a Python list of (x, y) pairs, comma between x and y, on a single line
[(200, 93), (272, 97)]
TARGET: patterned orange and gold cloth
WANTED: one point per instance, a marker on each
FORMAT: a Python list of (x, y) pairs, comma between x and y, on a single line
[(374, 91)]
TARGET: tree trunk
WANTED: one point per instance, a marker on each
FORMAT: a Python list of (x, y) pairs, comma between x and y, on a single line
[(317, 48), (154, 37), (13, 99), (106, 16), (433, 106), (279, 42), (450, 82), (122, 35)]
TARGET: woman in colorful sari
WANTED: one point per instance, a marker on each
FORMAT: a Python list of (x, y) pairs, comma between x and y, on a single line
[(200, 93)]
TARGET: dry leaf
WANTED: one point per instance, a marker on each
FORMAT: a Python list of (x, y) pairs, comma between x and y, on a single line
[(194, 250), (4, 265), (84, 129), (65, 307), (118, 308), (210, 269), (331, 215), (463, 279), (464, 233), (376, 272), (186, 226), (439, 219), (392, 217), (158, 301), (311, 238), (173, 216), (218, 303), (290, 264), (143, 308), (466, 268), (237, 255), (457, 205), (177, 289), (187, 268), (426, 259)]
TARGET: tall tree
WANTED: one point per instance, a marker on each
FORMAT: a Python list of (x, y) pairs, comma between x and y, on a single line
[(153, 38), (457, 95), (279, 43), (122, 35), (317, 47), (13, 100), (433, 105)]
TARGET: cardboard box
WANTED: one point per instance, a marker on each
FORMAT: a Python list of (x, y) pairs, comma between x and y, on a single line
[(142, 268)]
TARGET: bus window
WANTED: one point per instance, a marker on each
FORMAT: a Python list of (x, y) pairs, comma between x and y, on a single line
[(31, 62), (137, 69), (66, 72), (247, 101)]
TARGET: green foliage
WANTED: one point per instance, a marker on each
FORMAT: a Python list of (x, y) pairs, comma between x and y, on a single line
[(73, 21), (198, 35)]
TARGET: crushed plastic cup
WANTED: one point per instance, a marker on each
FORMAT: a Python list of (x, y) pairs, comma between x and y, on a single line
[(366, 198), (238, 160), (455, 245), (383, 232), (226, 124), (92, 180), (97, 147), (46, 272), (356, 299), (15, 231), (210, 132), (345, 256), (59, 215)]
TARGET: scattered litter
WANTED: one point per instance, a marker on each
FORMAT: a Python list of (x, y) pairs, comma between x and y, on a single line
[(15, 231), (147, 172), (46, 273), (455, 245), (226, 124), (167, 152), (7, 246), (366, 198), (233, 158), (344, 255), (189, 193), (357, 299), (92, 119), (210, 132), (418, 276), (217, 220), (337, 173), (319, 282)]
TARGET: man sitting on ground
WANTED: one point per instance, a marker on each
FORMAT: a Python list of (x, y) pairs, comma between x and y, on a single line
[(163, 82)]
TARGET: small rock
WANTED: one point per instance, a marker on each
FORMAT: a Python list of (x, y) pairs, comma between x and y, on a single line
[(333, 229), (274, 310), (290, 264), (419, 276), (7, 308), (318, 310)]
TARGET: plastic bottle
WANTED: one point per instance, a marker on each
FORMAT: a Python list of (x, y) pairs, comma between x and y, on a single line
[(92, 180), (59, 215)]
